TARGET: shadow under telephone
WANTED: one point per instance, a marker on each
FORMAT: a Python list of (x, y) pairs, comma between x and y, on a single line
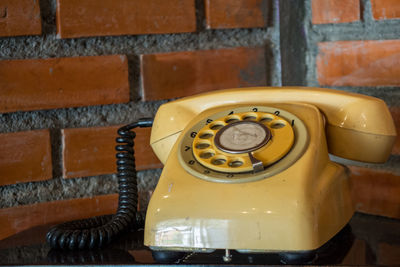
[(246, 169)]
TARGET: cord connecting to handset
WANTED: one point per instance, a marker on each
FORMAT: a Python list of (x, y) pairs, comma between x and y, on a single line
[(99, 231)]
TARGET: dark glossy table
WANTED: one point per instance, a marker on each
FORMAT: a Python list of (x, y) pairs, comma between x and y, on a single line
[(367, 240)]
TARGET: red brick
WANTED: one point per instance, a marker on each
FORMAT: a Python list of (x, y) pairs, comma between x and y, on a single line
[(395, 111), (376, 192), (21, 17), (359, 63), (77, 18), (388, 254), (179, 74), (335, 11), (385, 9), (25, 157), (91, 151), (36, 84), (224, 14), (16, 219)]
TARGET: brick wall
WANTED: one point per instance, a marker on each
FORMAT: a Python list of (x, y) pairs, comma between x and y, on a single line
[(72, 71)]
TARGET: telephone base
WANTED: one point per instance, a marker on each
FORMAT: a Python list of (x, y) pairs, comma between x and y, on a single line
[(299, 208)]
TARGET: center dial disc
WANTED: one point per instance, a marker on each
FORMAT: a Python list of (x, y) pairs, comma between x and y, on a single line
[(242, 137)]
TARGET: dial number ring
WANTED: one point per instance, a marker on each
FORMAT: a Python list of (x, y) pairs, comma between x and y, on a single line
[(237, 167)]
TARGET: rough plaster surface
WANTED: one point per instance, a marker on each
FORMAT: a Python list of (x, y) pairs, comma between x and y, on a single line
[(48, 45), (28, 193)]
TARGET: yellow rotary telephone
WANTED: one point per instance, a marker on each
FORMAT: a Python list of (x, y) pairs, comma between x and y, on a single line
[(248, 169), (245, 169)]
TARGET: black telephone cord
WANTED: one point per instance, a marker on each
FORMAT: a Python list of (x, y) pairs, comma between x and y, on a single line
[(98, 231)]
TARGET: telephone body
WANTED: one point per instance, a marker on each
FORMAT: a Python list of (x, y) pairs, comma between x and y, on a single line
[(248, 169)]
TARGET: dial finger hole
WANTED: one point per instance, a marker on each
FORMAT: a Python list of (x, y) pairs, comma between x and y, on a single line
[(206, 135), (218, 160), (216, 126), (202, 145), (278, 124), (235, 163), (266, 119), (207, 154), (249, 117), (232, 119)]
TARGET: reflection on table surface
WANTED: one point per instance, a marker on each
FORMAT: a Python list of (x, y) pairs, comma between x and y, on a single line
[(367, 240)]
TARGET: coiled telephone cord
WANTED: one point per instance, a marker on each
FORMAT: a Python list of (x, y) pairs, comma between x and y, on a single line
[(98, 231)]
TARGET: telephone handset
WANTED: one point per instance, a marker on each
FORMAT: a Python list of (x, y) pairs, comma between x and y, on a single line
[(248, 169)]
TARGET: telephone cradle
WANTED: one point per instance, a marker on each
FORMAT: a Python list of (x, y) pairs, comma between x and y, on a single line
[(249, 169)]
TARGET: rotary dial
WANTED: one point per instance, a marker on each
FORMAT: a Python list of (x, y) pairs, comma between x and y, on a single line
[(243, 142)]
